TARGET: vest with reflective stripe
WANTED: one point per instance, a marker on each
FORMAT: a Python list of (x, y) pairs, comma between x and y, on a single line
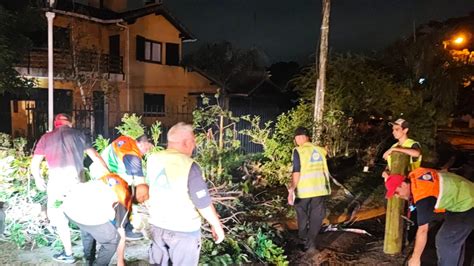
[(170, 206), (456, 193), (314, 173), (407, 144), (114, 153), (452, 192)]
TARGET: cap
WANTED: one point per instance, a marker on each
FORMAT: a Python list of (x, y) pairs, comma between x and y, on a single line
[(392, 182), (301, 131), (61, 118), (399, 122)]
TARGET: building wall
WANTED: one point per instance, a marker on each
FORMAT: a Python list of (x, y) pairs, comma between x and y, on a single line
[(175, 82), (179, 86)]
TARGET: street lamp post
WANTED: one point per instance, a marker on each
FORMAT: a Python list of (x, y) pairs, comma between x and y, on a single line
[(50, 16)]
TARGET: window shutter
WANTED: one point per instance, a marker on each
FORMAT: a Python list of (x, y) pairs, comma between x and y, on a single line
[(140, 48)]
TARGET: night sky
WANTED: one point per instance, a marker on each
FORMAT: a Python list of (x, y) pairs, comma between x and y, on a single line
[(289, 30)]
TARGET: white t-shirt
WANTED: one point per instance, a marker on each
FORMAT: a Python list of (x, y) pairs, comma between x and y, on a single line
[(90, 203)]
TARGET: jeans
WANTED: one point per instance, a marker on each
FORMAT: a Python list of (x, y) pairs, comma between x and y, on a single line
[(310, 213), (174, 248), (106, 235), (451, 237)]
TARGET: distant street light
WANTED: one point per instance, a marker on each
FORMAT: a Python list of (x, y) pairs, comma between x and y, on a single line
[(459, 40)]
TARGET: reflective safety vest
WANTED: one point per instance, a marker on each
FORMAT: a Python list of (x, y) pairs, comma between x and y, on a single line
[(452, 192), (114, 153), (407, 144), (170, 206), (314, 173)]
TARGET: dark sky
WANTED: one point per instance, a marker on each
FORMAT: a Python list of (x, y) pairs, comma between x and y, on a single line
[(289, 30)]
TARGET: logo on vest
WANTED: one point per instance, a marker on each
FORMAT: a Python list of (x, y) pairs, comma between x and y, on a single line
[(426, 177), (120, 143), (112, 182), (315, 157)]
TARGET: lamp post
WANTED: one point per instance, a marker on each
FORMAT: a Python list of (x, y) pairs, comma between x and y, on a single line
[(50, 16)]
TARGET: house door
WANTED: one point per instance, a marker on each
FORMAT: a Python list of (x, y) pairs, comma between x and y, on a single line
[(22, 118)]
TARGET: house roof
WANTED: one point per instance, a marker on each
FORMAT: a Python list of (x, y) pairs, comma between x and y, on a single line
[(127, 16)]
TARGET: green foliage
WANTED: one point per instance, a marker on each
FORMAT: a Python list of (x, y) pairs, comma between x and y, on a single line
[(131, 126), (355, 86), (217, 146), (242, 245), (17, 235), (14, 167), (266, 249), (277, 143), (100, 143), (155, 131)]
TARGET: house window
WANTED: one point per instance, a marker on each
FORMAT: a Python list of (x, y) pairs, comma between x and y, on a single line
[(172, 54), (154, 104), (148, 50)]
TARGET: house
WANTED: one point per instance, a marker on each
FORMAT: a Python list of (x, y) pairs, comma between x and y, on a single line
[(108, 61)]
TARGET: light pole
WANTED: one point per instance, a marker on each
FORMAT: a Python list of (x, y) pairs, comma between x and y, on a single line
[(50, 16)]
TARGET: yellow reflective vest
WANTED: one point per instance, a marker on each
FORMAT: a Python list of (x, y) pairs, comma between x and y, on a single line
[(314, 173), (407, 144), (170, 206)]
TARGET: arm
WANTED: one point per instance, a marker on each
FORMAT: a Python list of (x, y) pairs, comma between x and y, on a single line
[(96, 158), (36, 171), (209, 213), (199, 195), (121, 214), (413, 151), (121, 247), (295, 177), (410, 151), (420, 243)]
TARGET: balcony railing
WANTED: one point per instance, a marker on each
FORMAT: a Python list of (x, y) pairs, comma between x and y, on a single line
[(86, 60)]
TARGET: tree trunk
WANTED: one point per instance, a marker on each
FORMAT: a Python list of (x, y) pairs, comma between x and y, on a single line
[(393, 239), (323, 54)]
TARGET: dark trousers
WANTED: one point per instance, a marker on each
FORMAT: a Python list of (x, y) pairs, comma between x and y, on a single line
[(451, 237), (108, 238), (310, 213)]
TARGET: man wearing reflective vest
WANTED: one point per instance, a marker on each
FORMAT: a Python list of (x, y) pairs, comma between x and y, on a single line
[(310, 179), (178, 199), (403, 145), (436, 191), (124, 157)]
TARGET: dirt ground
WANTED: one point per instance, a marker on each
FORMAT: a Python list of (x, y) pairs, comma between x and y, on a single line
[(333, 248)]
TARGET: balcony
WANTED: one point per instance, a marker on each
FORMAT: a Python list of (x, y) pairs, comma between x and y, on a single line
[(36, 61)]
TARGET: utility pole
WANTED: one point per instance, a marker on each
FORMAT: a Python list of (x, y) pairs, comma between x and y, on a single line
[(50, 17), (322, 65)]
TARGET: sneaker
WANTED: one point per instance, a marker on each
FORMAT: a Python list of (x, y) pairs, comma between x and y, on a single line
[(132, 236), (62, 257)]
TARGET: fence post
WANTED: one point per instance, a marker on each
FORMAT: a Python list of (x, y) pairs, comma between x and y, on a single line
[(393, 239)]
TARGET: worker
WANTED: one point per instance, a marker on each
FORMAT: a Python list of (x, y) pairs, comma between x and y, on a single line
[(435, 191)]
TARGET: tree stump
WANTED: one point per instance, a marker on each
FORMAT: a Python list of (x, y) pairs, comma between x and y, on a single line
[(393, 239)]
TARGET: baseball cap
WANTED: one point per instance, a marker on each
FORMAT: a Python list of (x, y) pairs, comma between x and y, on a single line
[(392, 182), (61, 118), (400, 122), (301, 131)]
